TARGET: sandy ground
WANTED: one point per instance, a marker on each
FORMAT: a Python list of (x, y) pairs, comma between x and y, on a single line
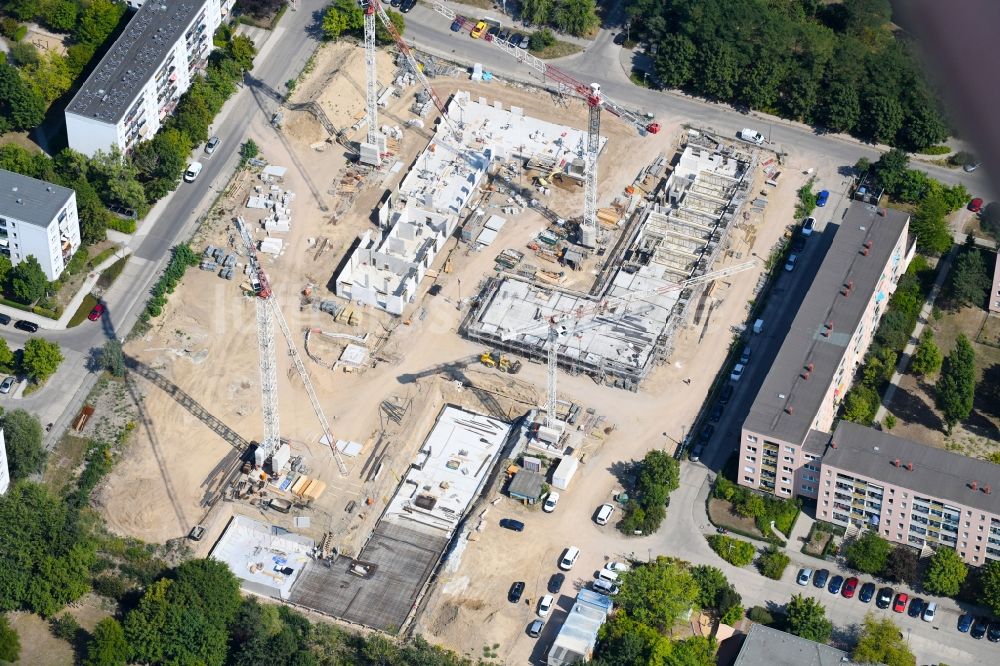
[(205, 345)]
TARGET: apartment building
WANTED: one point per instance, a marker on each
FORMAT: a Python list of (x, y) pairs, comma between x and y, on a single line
[(994, 305), (138, 82), (910, 493), (37, 219), (786, 431)]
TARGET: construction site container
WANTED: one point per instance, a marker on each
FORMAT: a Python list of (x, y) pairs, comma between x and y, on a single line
[(564, 472)]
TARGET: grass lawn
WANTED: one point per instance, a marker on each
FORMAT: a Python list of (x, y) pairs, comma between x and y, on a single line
[(112, 272), (721, 513), (558, 50), (63, 462), (481, 4), (81, 313)]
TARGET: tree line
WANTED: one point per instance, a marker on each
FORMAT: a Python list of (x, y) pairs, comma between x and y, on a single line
[(576, 17), (838, 66)]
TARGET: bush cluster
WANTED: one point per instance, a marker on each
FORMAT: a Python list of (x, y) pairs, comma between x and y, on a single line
[(762, 508), (735, 551), (183, 257), (657, 476)]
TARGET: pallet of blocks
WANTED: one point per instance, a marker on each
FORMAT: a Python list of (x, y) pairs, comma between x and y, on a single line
[(349, 316), (608, 217), (551, 277)]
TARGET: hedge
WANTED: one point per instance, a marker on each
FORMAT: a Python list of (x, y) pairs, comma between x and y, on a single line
[(735, 551)]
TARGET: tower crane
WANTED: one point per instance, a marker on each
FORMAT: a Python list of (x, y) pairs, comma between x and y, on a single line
[(267, 310), (563, 324), (596, 100)]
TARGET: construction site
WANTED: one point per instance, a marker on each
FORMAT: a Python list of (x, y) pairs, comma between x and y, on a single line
[(391, 294)]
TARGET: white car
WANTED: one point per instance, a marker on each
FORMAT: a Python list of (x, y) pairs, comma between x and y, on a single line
[(751, 136), (550, 502), (545, 605), (617, 567), (790, 264), (737, 373), (807, 226), (930, 611), (192, 171), (569, 558)]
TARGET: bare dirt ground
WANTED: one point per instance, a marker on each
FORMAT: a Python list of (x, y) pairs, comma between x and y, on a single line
[(38, 646), (205, 345)]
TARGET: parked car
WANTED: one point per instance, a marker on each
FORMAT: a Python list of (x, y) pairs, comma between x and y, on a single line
[(807, 226), (212, 144), (737, 373), (750, 136), (979, 628), (545, 605), (603, 514), (965, 623), (745, 356), (7, 384), (993, 631), (550, 502), (850, 585), (790, 262), (822, 198), (96, 313), (617, 567), (555, 583), (192, 171), (727, 393), (511, 524), (716, 413), (492, 33), (798, 242), (696, 453), (804, 576), (569, 558), (899, 605), (866, 593), (976, 205), (456, 25), (523, 43), (916, 608), (619, 38), (819, 580), (930, 611), (25, 325), (969, 168), (514, 594), (835, 584), (503, 35), (406, 5), (706, 434), (604, 587), (478, 30), (4, 319), (884, 597), (535, 628)]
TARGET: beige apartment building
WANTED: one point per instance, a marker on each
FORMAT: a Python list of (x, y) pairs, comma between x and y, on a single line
[(910, 493), (787, 429)]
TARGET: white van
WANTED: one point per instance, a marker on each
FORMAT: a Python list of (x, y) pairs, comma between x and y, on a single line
[(604, 514), (604, 587), (607, 575), (192, 171), (751, 136), (569, 558)]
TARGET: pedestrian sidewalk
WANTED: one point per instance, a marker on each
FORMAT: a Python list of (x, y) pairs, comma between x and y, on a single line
[(74, 304)]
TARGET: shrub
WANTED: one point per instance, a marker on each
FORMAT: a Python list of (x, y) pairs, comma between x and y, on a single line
[(735, 551), (541, 39), (936, 150), (772, 563), (760, 615), (111, 586), (65, 627)]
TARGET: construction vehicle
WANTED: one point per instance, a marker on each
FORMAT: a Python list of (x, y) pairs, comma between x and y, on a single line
[(500, 361), (596, 100), (486, 358)]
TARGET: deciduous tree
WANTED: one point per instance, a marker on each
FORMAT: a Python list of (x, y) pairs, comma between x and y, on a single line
[(41, 359), (26, 282), (955, 388), (946, 573), (107, 646), (970, 280), (21, 107), (869, 553), (881, 642), (807, 618), (10, 642), (927, 358), (902, 566), (657, 593), (23, 438)]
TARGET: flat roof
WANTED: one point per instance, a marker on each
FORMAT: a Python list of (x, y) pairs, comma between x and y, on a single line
[(764, 646), (412, 534), (936, 472), (805, 341), (266, 558), (578, 634), (113, 86), (31, 200)]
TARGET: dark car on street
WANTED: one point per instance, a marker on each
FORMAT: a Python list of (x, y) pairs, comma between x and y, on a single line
[(514, 595), (727, 393), (555, 583), (620, 38), (993, 632), (406, 5), (819, 580), (511, 524), (835, 584), (916, 607), (716, 413), (965, 623), (25, 325), (884, 597), (4, 319), (979, 628), (866, 593)]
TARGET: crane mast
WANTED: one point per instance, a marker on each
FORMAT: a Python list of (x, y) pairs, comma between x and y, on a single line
[(375, 139)]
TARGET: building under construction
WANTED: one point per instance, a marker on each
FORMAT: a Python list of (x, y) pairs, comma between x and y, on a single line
[(677, 236)]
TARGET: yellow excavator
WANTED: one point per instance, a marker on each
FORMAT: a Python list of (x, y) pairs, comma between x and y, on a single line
[(500, 362)]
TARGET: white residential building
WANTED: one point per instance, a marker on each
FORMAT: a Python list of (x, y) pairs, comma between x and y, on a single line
[(139, 80), (37, 219)]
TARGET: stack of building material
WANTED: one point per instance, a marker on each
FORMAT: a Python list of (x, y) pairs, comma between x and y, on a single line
[(271, 245), (608, 217)]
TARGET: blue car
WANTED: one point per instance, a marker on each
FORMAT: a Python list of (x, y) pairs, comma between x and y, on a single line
[(965, 623), (822, 198), (456, 25)]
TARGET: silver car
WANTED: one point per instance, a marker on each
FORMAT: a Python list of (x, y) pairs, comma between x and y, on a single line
[(7, 384), (212, 144)]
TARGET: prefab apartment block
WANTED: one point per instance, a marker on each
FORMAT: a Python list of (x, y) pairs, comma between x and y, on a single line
[(786, 430), (37, 219), (138, 82)]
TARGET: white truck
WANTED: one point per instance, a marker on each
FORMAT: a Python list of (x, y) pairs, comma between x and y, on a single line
[(751, 136)]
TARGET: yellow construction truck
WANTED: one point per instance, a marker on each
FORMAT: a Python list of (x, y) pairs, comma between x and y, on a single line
[(500, 362)]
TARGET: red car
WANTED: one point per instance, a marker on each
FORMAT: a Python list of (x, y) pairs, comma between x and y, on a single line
[(976, 205), (850, 585), (96, 313), (899, 605)]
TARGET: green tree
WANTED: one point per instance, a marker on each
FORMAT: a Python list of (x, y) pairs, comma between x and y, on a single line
[(26, 281), (624, 642), (720, 71), (656, 594), (107, 646), (60, 15), (989, 579), (21, 107), (577, 17), (242, 50), (65, 627), (23, 438), (956, 385), (23, 53), (674, 62), (869, 553), (343, 16), (930, 225), (772, 563), (807, 618), (538, 12), (113, 358), (694, 651), (41, 359), (860, 404), (6, 357), (541, 39), (946, 573), (98, 20), (989, 219), (883, 116), (891, 169), (10, 643), (711, 581), (735, 551), (927, 358), (249, 150), (751, 506), (970, 281), (881, 642), (49, 76)]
